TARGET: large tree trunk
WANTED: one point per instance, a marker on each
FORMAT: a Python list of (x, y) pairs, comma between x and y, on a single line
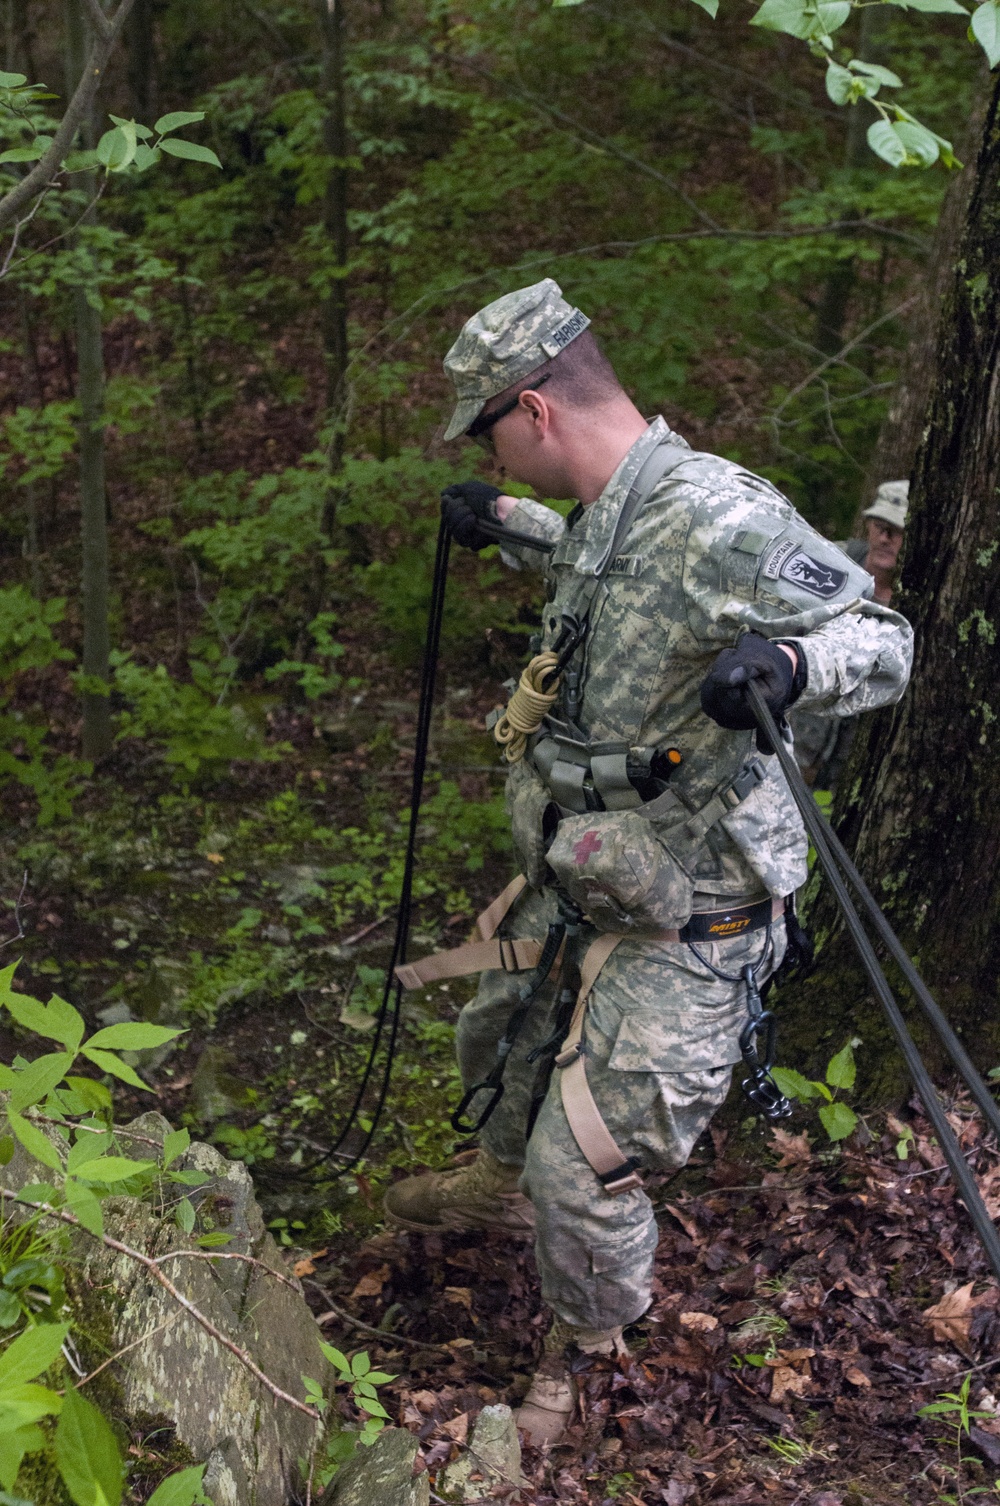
[(93, 497), (921, 794)]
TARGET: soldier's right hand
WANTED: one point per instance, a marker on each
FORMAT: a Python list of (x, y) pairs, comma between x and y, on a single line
[(464, 506)]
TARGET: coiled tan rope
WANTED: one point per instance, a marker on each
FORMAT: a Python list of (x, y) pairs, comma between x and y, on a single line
[(526, 707)]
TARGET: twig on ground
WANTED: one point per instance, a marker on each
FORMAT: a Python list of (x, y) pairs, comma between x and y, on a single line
[(230, 1255), (149, 1264), (134, 1345), (378, 1333)]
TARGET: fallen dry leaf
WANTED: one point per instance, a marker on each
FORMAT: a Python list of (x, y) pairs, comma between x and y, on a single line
[(794, 1150), (303, 1268), (698, 1322), (950, 1318), (687, 1224), (786, 1381), (371, 1285), (857, 1377), (215, 857), (460, 1294), (458, 1428)]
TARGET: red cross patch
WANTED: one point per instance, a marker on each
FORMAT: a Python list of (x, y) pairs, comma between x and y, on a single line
[(589, 843)]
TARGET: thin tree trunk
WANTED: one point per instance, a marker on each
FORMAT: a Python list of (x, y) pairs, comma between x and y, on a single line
[(140, 37), (335, 201), (921, 805), (93, 495), (34, 375)]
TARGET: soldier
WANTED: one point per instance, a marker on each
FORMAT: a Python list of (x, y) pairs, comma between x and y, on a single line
[(654, 831), (823, 739)]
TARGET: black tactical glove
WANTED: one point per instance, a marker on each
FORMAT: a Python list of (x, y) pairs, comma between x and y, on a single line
[(464, 505), (724, 698)]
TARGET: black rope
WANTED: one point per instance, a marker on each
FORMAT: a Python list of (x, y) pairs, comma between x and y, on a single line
[(829, 853), (390, 1009)]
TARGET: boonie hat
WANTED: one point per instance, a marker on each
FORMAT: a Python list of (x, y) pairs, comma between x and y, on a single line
[(891, 502), (505, 341)]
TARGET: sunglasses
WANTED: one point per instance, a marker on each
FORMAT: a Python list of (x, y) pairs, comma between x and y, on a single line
[(479, 429)]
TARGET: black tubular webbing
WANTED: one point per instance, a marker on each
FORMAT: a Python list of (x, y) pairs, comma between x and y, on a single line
[(830, 852)]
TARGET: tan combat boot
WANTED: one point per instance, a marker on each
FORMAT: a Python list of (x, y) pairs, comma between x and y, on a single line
[(480, 1195), (548, 1408)]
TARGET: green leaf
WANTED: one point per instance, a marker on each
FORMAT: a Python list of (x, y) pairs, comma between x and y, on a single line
[(841, 1071), (7, 1149), (920, 143), (802, 18), (31, 1352), (361, 1364), (180, 1489), (215, 1241), (184, 1215), (841, 85), (950, 6), (108, 1062), (94, 1094), (25, 153), (132, 1037), (57, 1020), (81, 162), (985, 27), (38, 1080), (20, 1405), (176, 119), (875, 71), (12, 80), (189, 150), (82, 1202), (338, 1360), (87, 1148), (13, 1447), (145, 156), (190, 1178), (712, 6), (367, 1405), (886, 144), (175, 1143), (793, 1084), (113, 1169), (142, 132), (837, 1119), (10, 1309), (34, 1142), (86, 1453), (116, 148)]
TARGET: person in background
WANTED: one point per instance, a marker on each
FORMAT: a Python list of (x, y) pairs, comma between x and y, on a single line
[(822, 742)]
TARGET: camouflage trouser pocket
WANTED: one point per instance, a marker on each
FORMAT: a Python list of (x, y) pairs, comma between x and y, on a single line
[(622, 875), (526, 798)]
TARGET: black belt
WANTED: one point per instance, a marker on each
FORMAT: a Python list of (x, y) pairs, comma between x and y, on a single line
[(721, 925)]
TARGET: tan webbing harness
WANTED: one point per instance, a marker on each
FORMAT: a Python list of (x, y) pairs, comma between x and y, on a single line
[(614, 1170)]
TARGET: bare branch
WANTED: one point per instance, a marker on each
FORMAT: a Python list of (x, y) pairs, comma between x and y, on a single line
[(18, 921), (47, 166), (151, 1334), (149, 1264), (98, 19), (230, 1255), (837, 358)]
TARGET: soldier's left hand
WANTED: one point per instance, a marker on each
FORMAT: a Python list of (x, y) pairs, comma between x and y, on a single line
[(723, 693)]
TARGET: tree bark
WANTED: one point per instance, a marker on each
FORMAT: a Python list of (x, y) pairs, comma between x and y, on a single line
[(140, 36), (335, 200), (93, 495), (920, 805)]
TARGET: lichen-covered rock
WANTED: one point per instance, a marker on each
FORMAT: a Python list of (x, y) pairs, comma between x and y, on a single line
[(381, 1475), (178, 1371), (491, 1459)]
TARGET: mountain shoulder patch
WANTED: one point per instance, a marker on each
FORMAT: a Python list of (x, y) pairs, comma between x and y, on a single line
[(793, 563)]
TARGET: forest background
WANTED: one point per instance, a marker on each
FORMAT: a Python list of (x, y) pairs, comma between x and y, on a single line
[(232, 358)]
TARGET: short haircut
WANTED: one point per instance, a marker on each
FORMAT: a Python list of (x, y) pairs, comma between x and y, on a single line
[(581, 375)]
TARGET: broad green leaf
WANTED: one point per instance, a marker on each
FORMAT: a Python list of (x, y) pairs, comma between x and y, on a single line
[(145, 156), (134, 1036), (86, 1453), (175, 1144), (34, 1142), (57, 1020), (180, 1489), (113, 1169), (108, 1062), (14, 1444), (375, 1408), (176, 119), (886, 144), (884, 76), (83, 1203), (712, 6), (184, 1215), (8, 1077), (94, 1094), (360, 1364), (12, 80), (950, 6), (36, 1192), (189, 150), (841, 85), (116, 148), (338, 1360), (793, 1084), (23, 1405), (837, 1119), (81, 162), (802, 18), (214, 1241), (38, 1080), (985, 27), (7, 1149), (841, 1071), (87, 1148), (10, 1309), (920, 143), (25, 153), (31, 1352)]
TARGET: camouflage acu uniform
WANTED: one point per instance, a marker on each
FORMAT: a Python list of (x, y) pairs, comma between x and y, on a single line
[(713, 551)]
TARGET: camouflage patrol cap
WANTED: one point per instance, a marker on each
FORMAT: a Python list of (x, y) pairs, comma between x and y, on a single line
[(505, 341), (891, 502)]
